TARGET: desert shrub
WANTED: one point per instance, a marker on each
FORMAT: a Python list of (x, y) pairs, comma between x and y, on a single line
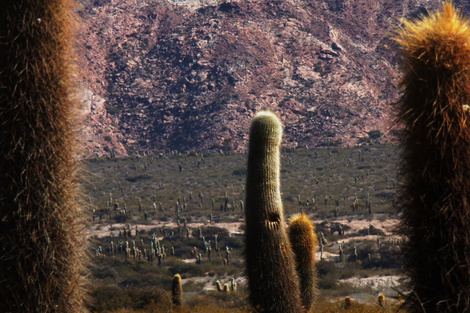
[(371, 230), (136, 178), (120, 218), (104, 272), (209, 232), (109, 298), (390, 257), (370, 306), (386, 194), (239, 172), (193, 286), (183, 252), (328, 275), (374, 134), (186, 269), (235, 242)]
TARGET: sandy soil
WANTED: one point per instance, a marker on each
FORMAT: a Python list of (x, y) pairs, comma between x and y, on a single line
[(385, 284), (102, 230)]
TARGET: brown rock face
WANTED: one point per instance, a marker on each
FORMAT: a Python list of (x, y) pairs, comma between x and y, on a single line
[(189, 75)]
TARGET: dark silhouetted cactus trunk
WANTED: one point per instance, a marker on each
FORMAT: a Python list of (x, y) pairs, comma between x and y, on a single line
[(40, 250), (270, 265), (435, 198)]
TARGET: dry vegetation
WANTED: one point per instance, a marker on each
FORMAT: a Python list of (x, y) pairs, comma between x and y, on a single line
[(330, 178)]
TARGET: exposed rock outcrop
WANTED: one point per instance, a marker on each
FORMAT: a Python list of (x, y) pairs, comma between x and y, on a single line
[(190, 75)]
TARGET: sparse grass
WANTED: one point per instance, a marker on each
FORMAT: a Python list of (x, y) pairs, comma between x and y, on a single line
[(339, 174)]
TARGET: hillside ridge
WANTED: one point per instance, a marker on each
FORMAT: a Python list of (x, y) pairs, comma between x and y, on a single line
[(189, 75)]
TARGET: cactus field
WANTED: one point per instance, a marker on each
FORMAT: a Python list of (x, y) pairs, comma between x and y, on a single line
[(152, 217)]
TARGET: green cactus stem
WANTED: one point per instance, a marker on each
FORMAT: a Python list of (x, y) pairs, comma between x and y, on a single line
[(270, 265)]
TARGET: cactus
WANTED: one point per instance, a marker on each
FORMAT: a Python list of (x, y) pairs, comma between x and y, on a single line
[(177, 290), (434, 199), (381, 300), (227, 254), (42, 251), (304, 243), (219, 286), (272, 278), (233, 284)]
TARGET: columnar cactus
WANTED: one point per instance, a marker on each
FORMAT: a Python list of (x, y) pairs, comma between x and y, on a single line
[(381, 300), (304, 243), (219, 286), (177, 290), (435, 198), (272, 279), (41, 251), (233, 284)]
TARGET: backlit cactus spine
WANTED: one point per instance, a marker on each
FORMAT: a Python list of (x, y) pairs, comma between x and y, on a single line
[(270, 265), (177, 290), (381, 300), (435, 197), (304, 243), (41, 255)]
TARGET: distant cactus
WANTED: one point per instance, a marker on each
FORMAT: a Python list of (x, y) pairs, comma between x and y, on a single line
[(435, 198), (233, 284), (304, 243), (177, 290), (270, 266), (219, 286), (347, 302), (41, 251), (381, 300)]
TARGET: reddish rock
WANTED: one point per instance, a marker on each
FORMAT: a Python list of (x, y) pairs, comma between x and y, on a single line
[(160, 76)]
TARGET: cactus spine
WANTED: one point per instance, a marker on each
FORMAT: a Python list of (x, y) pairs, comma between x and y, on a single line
[(435, 198), (304, 243), (41, 257), (270, 265)]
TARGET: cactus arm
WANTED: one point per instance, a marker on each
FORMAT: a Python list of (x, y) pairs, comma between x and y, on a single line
[(304, 243)]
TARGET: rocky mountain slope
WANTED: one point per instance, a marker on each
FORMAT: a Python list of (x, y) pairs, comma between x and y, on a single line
[(189, 75)]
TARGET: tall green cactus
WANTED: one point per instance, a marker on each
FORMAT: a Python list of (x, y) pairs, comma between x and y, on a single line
[(304, 243), (41, 252), (270, 263), (435, 198)]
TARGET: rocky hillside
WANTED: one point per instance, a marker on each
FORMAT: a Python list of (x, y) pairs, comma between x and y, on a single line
[(189, 75)]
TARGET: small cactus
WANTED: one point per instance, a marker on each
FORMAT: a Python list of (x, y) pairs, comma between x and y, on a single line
[(219, 286), (304, 243), (177, 290), (381, 300)]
